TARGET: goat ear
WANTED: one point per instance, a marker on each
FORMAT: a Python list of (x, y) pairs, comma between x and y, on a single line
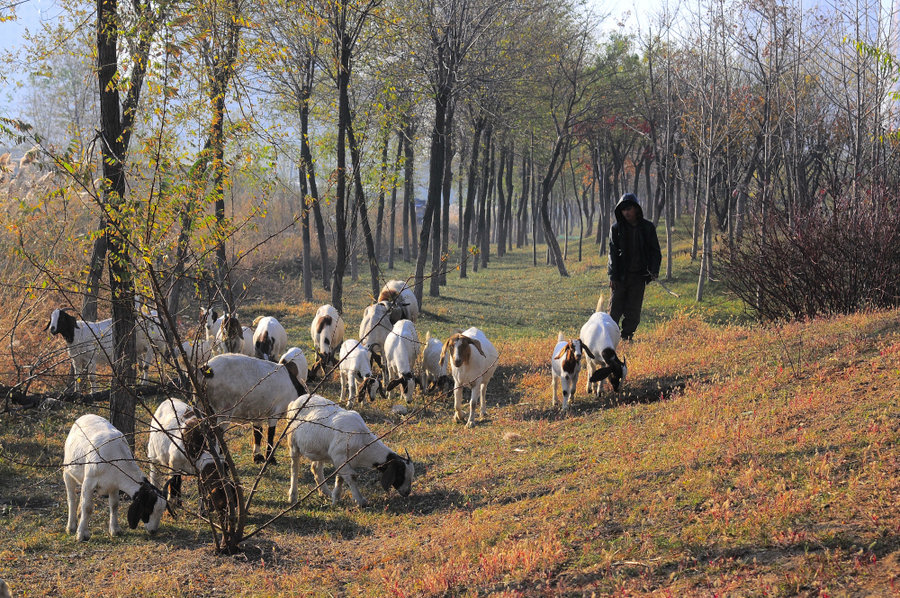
[(586, 350), (444, 350), (560, 352), (394, 383), (477, 346), (601, 374), (389, 473), (206, 371), (141, 505)]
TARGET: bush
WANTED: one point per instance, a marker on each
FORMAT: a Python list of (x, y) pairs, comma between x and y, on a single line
[(836, 258)]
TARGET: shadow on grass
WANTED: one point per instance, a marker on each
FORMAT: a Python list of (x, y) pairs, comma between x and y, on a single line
[(644, 391)]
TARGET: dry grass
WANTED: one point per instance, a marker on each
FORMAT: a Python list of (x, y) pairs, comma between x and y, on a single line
[(738, 460)]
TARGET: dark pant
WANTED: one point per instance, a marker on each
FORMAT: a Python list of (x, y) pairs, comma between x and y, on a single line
[(626, 302)]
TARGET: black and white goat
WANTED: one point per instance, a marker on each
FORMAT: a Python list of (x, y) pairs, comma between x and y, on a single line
[(215, 336), (327, 332), (98, 459), (88, 343), (435, 375), (470, 369), (269, 338), (565, 365), (601, 335), (374, 329), (323, 432)]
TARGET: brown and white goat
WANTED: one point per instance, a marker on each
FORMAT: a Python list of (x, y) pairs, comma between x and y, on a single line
[(470, 369), (565, 365), (327, 331), (401, 300)]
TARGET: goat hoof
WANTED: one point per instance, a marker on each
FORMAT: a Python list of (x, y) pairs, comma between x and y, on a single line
[(258, 458)]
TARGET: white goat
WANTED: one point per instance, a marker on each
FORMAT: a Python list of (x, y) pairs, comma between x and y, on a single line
[(176, 446), (434, 372), (401, 299), (323, 432), (88, 343), (269, 338), (98, 458), (401, 352), (601, 335), (357, 381), (243, 388), (327, 331), (470, 369), (565, 365), (374, 329)]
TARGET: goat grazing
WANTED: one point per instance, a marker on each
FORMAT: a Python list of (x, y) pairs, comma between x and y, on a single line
[(470, 369), (269, 338), (434, 372), (401, 300), (401, 352), (601, 335), (323, 432), (98, 458), (374, 329), (565, 365), (327, 331), (355, 364), (212, 324), (243, 388), (86, 342), (176, 446)]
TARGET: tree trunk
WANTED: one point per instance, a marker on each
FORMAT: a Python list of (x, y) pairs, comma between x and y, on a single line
[(361, 206), (470, 197), (340, 264), (393, 212), (409, 209)]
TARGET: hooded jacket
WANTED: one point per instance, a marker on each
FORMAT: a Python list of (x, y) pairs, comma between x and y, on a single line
[(648, 242)]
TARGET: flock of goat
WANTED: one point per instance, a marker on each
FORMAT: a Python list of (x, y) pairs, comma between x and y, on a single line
[(242, 381)]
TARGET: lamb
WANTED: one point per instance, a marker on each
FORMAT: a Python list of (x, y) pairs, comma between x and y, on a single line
[(243, 388), (86, 342), (323, 432), (401, 299), (401, 351), (601, 335), (327, 331), (98, 458), (565, 365), (434, 373), (355, 364), (176, 446), (374, 329), (470, 369), (269, 338)]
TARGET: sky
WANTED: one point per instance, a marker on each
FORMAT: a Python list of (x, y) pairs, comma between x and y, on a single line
[(624, 15)]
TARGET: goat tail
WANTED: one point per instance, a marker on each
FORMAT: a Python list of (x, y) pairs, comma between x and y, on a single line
[(599, 304)]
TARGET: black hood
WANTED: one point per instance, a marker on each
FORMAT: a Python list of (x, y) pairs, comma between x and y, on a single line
[(628, 198)]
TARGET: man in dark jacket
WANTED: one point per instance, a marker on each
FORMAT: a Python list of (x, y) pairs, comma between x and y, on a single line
[(634, 260)]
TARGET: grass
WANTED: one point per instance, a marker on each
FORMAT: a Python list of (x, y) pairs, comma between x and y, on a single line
[(739, 459)]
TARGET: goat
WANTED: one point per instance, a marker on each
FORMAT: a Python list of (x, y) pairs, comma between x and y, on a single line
[(601, 335), (296, 355), (401, 352), (327, 331), (212, 324), (176, 445), (565, 365), (243, 388), (98, 458), (470, 369), (86, 342), (401, 300), (434, 373), (355, 365), (323, 432), (269, 338), (374, 329)]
